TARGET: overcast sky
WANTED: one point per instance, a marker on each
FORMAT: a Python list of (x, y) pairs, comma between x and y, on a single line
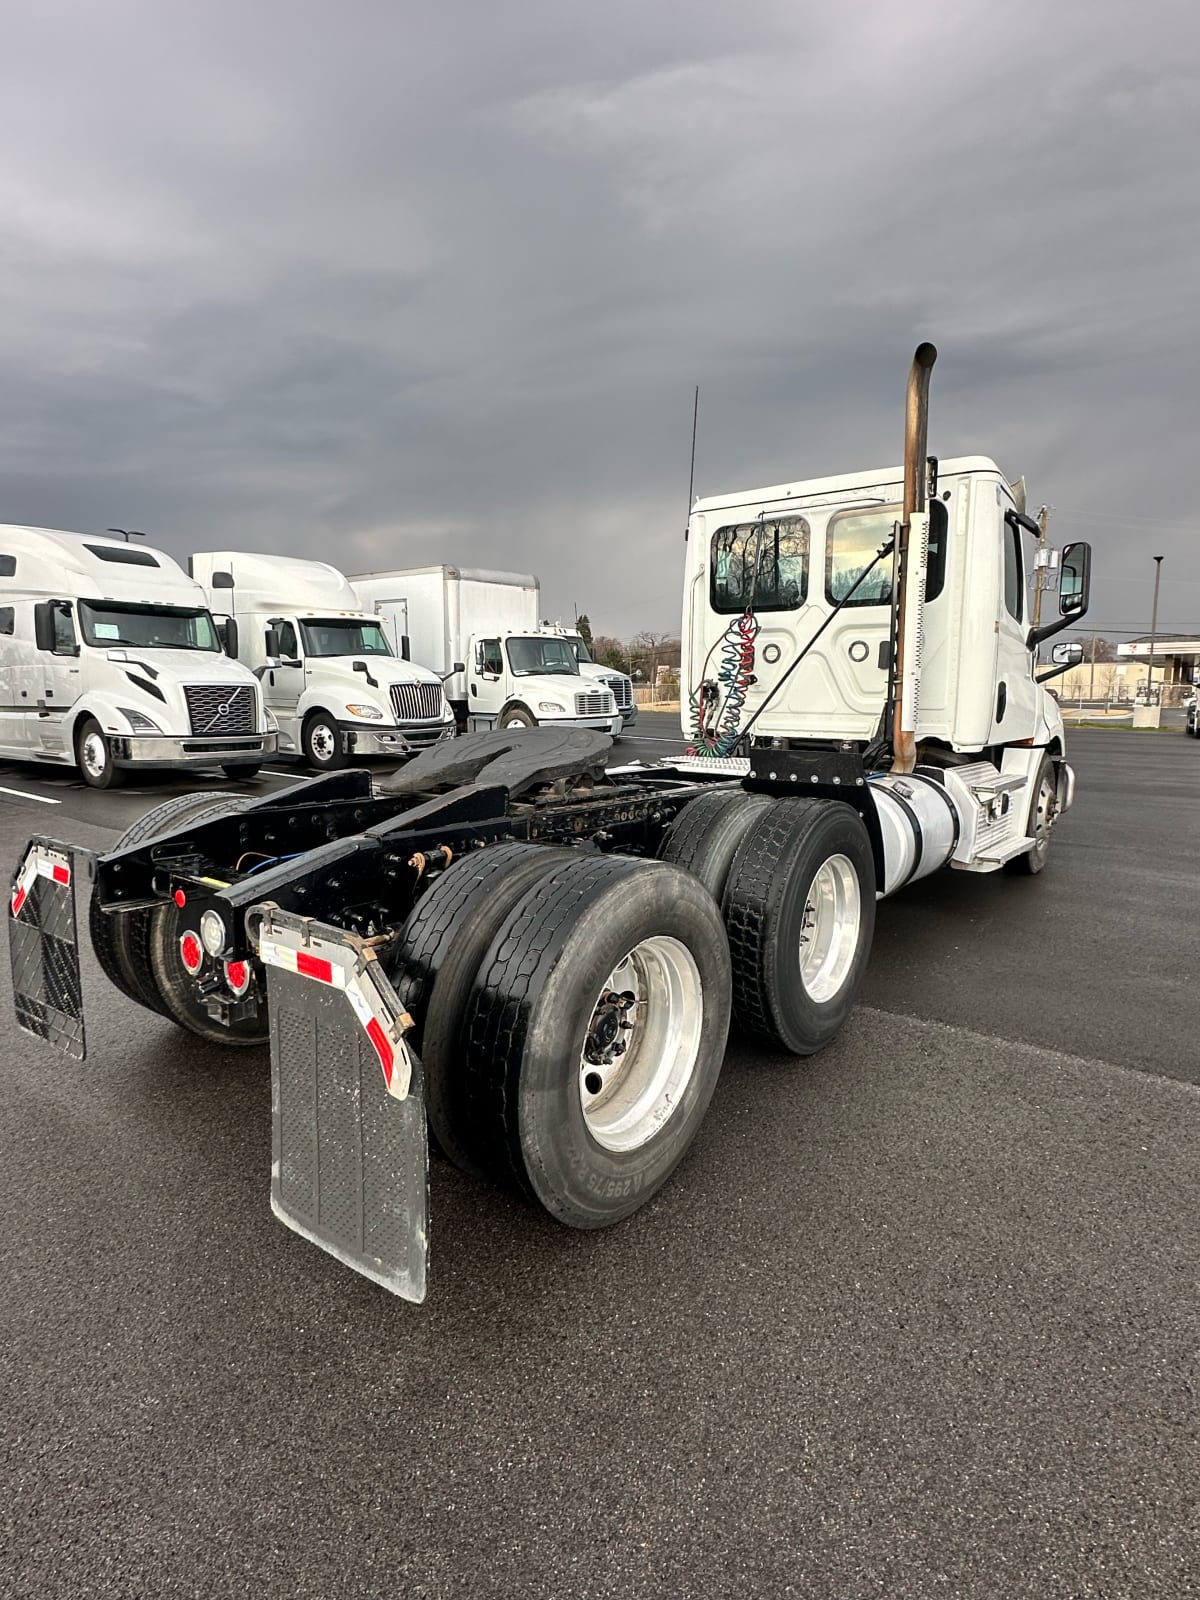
[(390, 284)]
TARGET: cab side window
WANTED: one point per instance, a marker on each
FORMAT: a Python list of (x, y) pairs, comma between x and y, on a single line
[(492, 660), (1014, 584), (65, 642), (6, 619), (287, 641)]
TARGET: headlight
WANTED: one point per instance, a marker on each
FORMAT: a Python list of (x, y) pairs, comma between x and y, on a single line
[(364, 711), (138, 722), (550, 705)]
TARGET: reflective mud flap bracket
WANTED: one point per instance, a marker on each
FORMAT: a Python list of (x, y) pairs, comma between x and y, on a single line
[(43, 944), (350, 1152)]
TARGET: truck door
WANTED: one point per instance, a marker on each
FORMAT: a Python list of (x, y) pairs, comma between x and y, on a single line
[(1014, 713), (12, 717), (488, 683), (283, 685), (51, 681)]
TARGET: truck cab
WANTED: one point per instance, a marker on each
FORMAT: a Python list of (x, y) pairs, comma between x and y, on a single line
[(522, 679), (110, 660), (329, 673), (619, 682), (768, 568)]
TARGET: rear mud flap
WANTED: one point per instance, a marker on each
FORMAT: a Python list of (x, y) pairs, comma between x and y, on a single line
[(350, 1151), (44, 946)]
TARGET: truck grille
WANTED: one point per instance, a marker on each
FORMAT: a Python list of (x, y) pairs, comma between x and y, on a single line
[(599, 703), (417, 702), (622, 692), (220, 708)]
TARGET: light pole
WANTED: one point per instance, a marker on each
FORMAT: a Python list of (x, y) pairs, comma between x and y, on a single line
[(1158, 561)]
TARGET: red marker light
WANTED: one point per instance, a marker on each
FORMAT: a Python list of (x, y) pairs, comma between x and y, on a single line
[(180, 899), (237, 976)]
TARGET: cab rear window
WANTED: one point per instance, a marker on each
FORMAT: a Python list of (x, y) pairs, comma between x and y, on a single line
[(760, 566)]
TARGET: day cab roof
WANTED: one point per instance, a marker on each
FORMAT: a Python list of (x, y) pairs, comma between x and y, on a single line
[(883, 483), (59, 564), (287, 584)]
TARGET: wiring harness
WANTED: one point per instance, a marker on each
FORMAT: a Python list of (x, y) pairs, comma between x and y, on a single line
[(716, 708)]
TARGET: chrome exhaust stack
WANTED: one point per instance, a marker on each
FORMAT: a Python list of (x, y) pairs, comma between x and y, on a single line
[(910, 562)]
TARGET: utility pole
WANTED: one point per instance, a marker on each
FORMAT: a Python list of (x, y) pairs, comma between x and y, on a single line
[(1092, 686), (1158, 561), (1043, 519)]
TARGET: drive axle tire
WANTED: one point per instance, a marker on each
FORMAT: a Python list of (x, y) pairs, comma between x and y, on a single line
[(444, 941), (516, 717), (800, 913), (1043, 809), (595, 1035), (704, 837), (122, 942)]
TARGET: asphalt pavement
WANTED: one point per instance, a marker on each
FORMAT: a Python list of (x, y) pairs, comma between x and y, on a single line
[(916, 1317)]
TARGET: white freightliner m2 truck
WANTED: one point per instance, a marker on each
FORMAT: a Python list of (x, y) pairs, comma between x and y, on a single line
[(541, 957), (109, 660), (503, 668), (329, 675)]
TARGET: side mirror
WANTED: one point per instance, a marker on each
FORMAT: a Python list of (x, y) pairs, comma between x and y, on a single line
[(1075, 579), (1067, 655), (459, 666), (43, 625), (222, 580), (273, 651), (404, 650), (227, 632)]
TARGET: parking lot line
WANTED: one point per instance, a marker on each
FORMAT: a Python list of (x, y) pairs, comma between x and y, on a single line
[(23, 794)]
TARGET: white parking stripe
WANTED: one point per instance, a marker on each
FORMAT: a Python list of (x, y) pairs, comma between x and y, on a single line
[(21, 794), (297, 777)]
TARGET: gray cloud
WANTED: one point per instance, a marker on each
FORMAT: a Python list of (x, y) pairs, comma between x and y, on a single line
[(389, 284)]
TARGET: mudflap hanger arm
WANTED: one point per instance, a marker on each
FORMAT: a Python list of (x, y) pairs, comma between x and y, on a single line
[(349, 1149)]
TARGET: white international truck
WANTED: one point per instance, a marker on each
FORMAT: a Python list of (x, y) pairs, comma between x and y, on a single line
[(331, 679), (503, 667), (109, 660), (539, 956)]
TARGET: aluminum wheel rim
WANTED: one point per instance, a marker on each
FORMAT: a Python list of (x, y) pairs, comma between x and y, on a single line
[(651, 1004), (95, 755), (1044, 821), (322, 742), (515, 722), (832, 919)]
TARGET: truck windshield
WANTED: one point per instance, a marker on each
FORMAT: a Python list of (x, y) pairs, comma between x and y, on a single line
[(527, 656), (108, 622), (343, 636), (582, 654)]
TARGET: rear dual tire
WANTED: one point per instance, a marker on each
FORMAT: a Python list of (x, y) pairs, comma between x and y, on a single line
[(541, 1072)]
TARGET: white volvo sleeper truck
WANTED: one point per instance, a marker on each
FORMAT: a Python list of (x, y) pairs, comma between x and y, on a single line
[(480, 630), (537, 957), (110, 661), (330, 677)]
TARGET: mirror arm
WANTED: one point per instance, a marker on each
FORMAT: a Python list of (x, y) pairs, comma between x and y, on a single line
[(1037, 636), (1018, 519), (1055, 672)]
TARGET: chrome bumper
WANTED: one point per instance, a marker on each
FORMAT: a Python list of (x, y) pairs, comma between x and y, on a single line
[(158, 750), (399, 741)]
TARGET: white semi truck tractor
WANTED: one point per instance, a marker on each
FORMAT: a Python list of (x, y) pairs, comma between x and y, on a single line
[(330, 677), (110, 661), (539, 957)]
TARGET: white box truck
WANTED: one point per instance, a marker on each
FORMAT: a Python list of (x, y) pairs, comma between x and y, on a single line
[(109, 659), (334, 684), (503, 668)]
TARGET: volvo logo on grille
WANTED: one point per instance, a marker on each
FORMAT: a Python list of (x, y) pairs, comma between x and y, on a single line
[(222, 713)]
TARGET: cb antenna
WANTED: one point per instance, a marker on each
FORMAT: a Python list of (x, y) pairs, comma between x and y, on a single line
[(692, 469)]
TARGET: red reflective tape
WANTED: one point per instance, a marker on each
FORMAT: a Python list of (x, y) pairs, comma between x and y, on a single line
[(313, 967), (62, 875), (18, 900), (383, 1049)]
